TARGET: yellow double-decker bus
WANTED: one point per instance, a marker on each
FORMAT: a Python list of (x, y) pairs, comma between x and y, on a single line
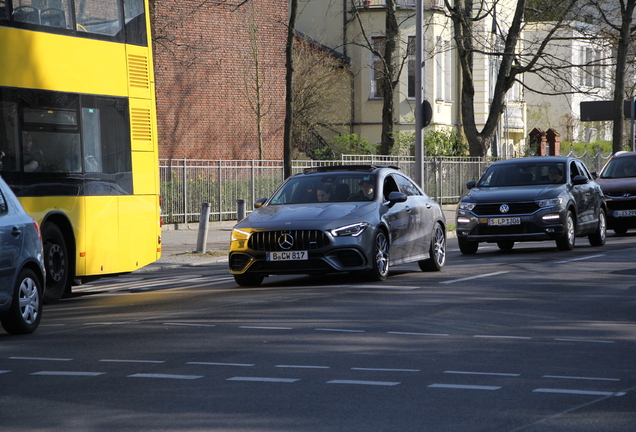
[(78, 133)]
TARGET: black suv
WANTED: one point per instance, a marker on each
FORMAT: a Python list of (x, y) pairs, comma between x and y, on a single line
[(618, 182), (530, 199)]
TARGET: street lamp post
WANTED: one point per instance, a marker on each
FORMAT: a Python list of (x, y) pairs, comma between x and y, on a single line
[(419, 95)]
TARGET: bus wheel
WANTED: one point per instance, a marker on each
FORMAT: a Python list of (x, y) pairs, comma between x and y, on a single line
[(56, 263)]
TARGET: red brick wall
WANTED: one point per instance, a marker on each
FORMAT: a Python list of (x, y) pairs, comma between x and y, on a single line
[(201, 59)]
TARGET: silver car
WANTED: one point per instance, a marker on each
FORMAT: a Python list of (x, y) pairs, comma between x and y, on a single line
[(358, 219), (21, 266)]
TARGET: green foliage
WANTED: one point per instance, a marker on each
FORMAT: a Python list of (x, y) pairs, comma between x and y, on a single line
[(578, 148), (346, 144), (444, 143)]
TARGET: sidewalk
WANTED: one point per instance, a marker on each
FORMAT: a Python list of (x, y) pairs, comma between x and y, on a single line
[(179, 243)]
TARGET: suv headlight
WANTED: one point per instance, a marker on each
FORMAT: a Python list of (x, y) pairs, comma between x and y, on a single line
[(553, 202), (350, 230), (467, 205), (238, 234)]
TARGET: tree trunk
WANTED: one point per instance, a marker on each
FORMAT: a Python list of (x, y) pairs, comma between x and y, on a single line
[(289, 96), (389, 79)]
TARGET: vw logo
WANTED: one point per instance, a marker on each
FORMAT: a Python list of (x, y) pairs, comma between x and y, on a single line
[(504, 208), (286, 241)]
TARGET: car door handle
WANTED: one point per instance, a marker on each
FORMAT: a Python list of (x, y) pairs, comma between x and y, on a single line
[(15, 232), (408, 209)]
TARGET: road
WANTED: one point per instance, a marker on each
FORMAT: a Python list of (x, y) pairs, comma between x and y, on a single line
[(530, 340)]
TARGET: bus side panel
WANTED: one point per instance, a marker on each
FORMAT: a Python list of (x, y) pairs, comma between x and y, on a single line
[(72, 64), (138, 237), (102, 247)]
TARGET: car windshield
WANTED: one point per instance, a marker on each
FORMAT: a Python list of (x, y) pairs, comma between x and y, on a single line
[(523, 174), (620, 167), (326, 187)]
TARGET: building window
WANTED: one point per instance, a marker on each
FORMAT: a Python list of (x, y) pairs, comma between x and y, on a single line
[(377, 68), (411, 52), (448, 85)]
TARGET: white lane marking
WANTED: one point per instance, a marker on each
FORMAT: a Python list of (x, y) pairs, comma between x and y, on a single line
[(264, 379), (357, 382), (266, 328), (387, 287), (339, 330), (585, 340), (302, 367), (418, 334), (131, 361), (474, 277), (464, 387), (68, 373), (578, 392), (111, 323), (385, 370), (40, 358), (580, 378), (579, 259), (501, 337), (219, 364), (4, 371), (166, 376), (482, 373), (188, 324)]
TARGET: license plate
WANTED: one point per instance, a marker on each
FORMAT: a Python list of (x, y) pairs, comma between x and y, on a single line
[(504, 221), (625, 213), (287, 256)]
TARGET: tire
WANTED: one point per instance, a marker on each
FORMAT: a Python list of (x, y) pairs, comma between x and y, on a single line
[(467, 247), (620, 230), (248, 279), (566, 242), (26, 307), (600, 235), (505, 245), (56, 262), (380, 257), (437, 251)]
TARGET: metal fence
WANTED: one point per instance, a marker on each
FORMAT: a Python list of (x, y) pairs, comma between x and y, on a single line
[(188, 183)]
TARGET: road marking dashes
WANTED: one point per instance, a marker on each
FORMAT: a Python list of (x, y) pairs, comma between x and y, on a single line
[(264, 379), (474, 277), (580, 378), (165, 376), (358, 382), (219, 364), (68, 373), (41, 358), (482, 373), (578, 392), (465, 387)]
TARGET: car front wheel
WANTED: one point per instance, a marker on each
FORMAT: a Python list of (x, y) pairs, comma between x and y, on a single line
[(26, 308), (248, 279), (566, 242), (600, 235), (437, 251), (380, 257), (467, 247)]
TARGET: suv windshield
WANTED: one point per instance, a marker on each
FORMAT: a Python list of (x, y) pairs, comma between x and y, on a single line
[(620, 167), (523, 174), (326, 187)]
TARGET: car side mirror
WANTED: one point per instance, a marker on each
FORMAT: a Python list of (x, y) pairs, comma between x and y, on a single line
[(471, 184), (259, 203), (579, 180), (396, 197)]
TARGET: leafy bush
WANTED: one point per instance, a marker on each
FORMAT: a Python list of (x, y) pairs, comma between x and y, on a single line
[(346, 144)]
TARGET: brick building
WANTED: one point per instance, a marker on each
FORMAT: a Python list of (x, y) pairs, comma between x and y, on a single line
[(204, 75)]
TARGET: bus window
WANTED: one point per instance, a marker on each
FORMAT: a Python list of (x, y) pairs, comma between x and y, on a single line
[(59, 155), (9, 150), (98, 16), (91, 140), (135, 22), (51, 13)]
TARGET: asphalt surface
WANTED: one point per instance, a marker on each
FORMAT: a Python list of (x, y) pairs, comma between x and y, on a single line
[(180, 243)]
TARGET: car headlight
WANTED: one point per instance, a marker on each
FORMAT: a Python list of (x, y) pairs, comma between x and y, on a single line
[(238, 234), (467, 205), (350, 230), (553, 202)]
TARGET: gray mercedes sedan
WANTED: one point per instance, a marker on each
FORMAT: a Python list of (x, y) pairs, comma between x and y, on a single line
[(346, 218)]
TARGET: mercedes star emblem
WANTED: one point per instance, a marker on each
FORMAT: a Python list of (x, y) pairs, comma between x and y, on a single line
[(286, 241)]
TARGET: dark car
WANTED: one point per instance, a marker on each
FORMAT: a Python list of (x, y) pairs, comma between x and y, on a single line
[(339, 219), (530, 199), (618, 182), (21, 266)]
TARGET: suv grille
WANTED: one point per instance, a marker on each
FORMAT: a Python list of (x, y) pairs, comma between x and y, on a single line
[(302, 240), (515, 208)]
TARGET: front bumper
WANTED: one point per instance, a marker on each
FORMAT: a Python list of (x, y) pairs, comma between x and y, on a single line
[(621, 212), (544, 224)]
